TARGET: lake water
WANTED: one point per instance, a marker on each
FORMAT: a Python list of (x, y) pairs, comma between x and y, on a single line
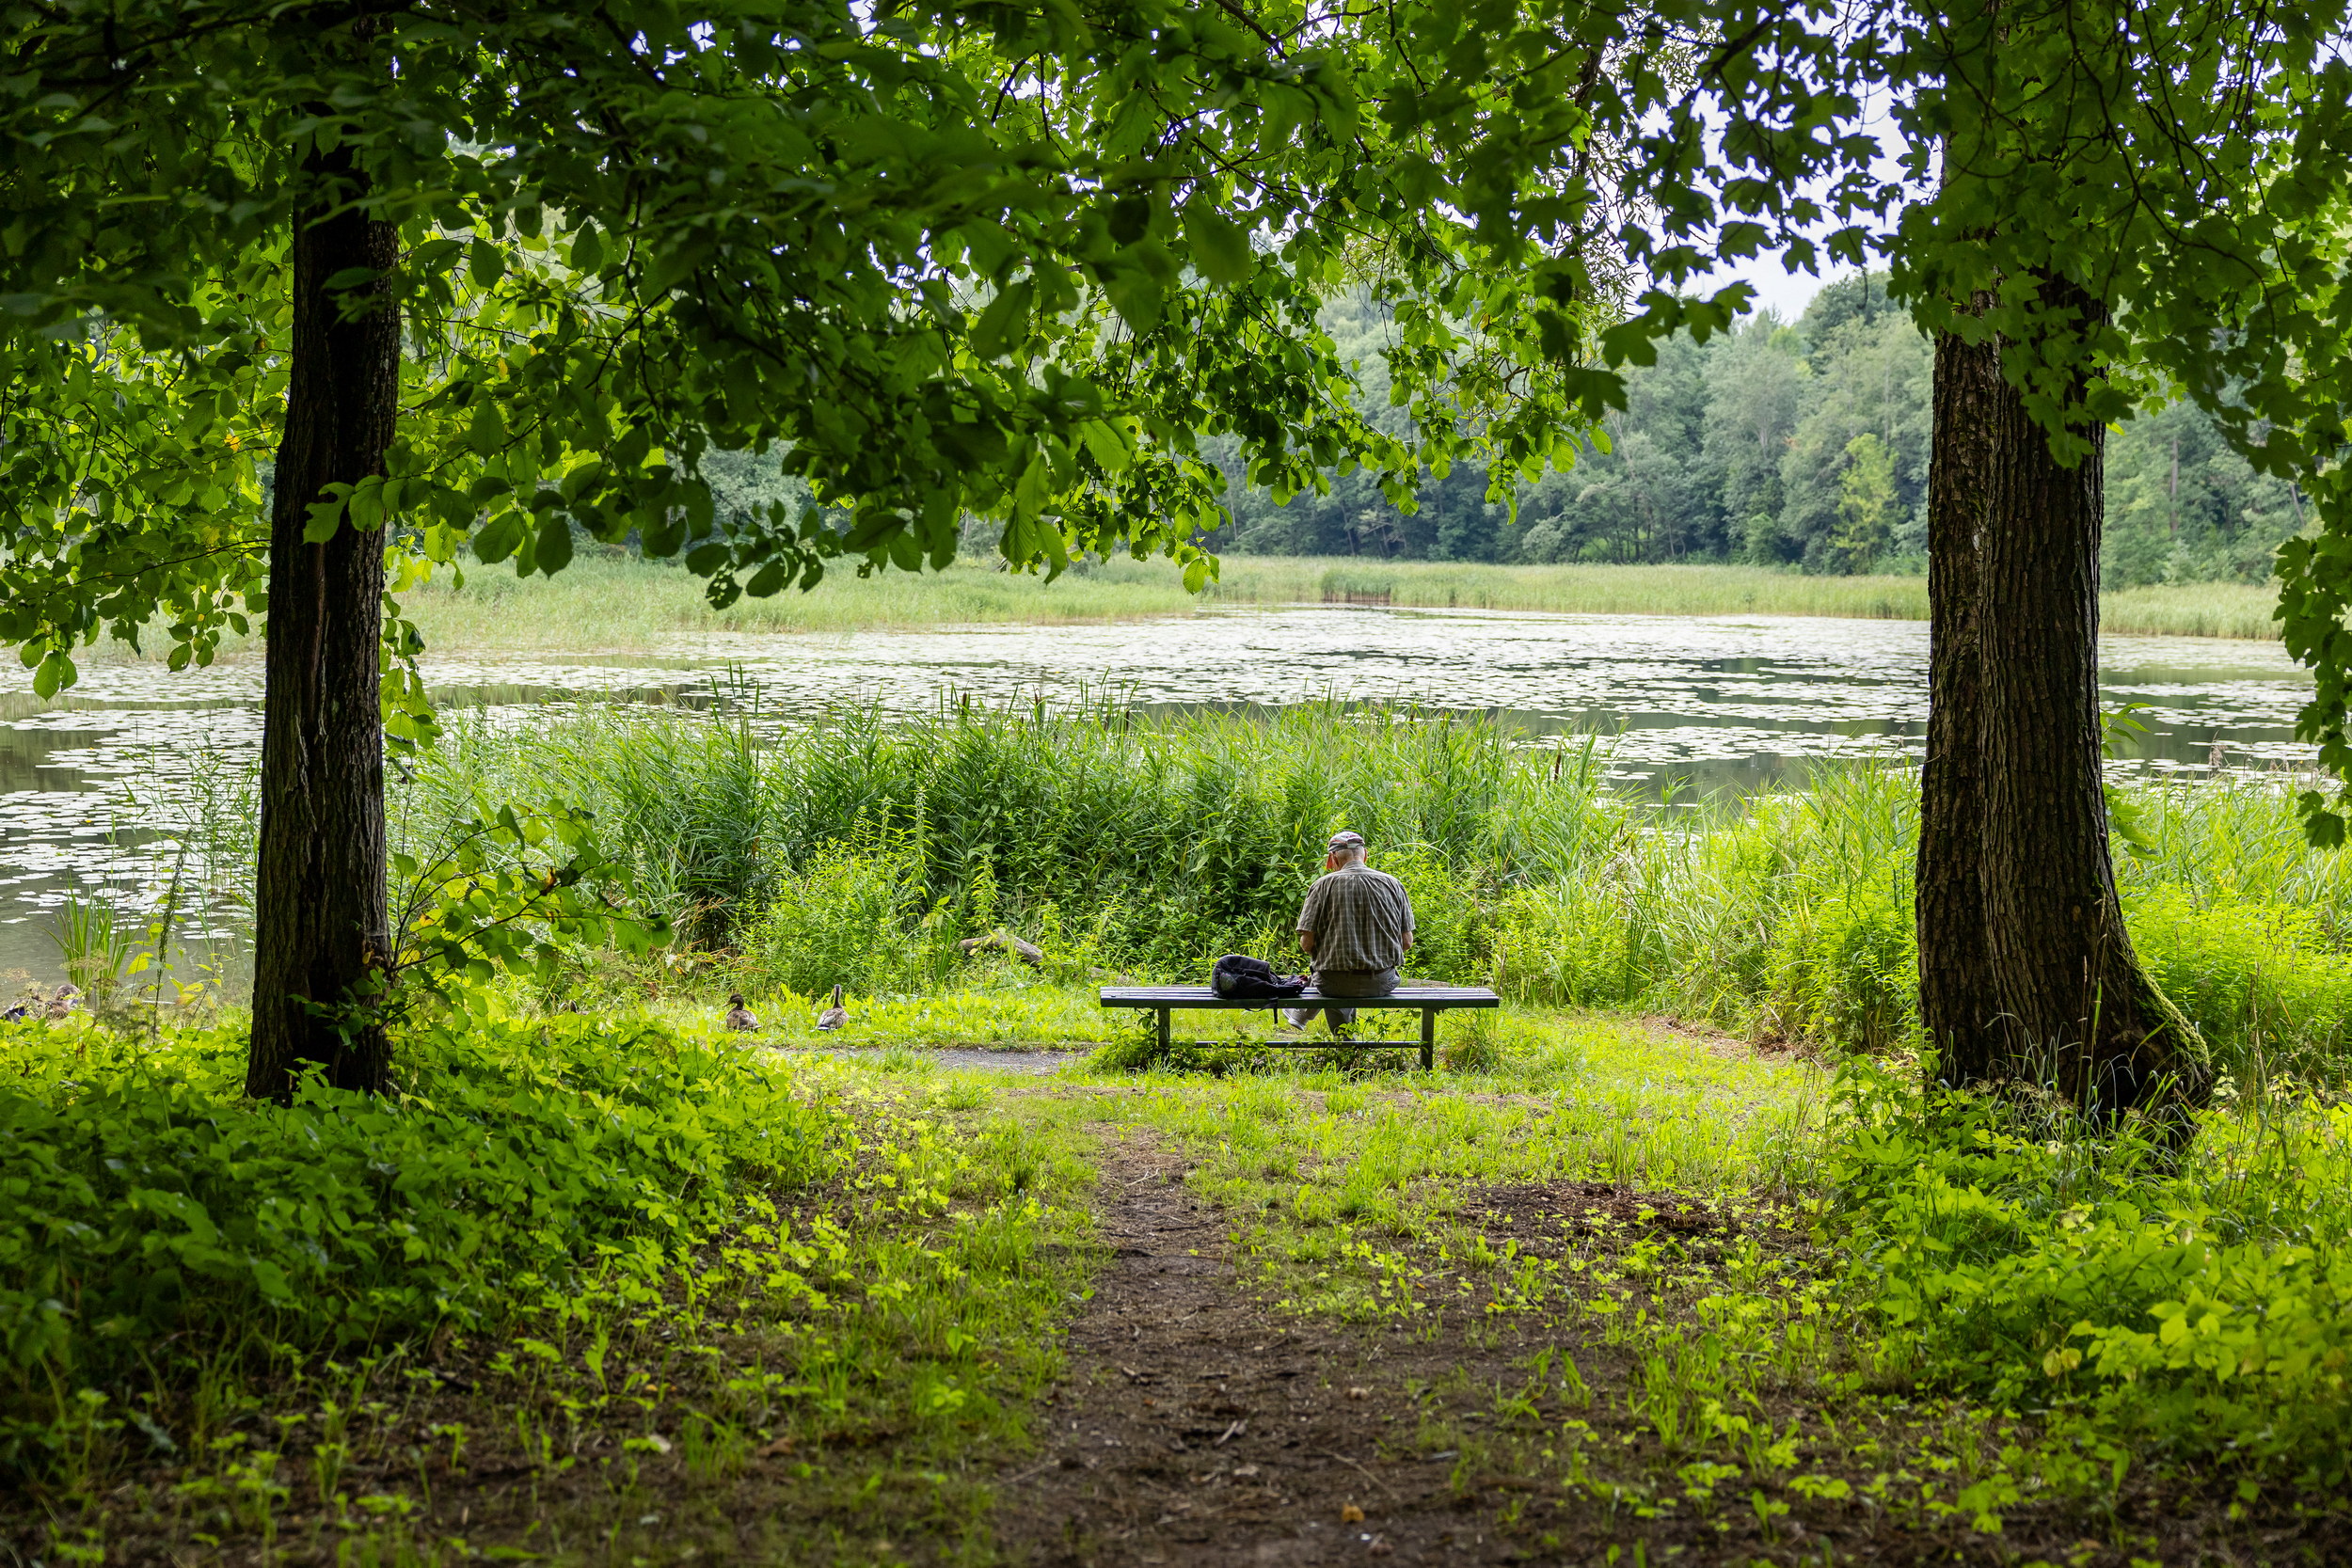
[(1738, 702)]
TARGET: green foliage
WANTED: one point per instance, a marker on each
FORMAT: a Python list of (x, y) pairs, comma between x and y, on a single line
[(2263, 981), (1580, 943), (860, 850), (1453, 927), (1733, 448), (2200, 1305), (1047, 296), (1865, 500), (843, 918), (141, 1203), (1159, 844), (1845, 968), (95, 942), (503, 894)]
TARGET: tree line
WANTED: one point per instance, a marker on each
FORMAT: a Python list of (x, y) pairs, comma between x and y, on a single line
[(1803, 444)]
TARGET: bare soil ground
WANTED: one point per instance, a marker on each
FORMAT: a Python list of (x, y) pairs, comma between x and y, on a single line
[(1200, 1424)]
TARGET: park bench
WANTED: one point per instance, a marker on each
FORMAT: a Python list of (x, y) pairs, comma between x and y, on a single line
[(1428, 1000)]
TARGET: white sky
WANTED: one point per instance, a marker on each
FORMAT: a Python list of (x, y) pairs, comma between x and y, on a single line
[(1776, 288)]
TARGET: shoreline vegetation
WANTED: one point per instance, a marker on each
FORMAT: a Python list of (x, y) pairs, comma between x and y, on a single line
[(1676, 1225), (618, 605)]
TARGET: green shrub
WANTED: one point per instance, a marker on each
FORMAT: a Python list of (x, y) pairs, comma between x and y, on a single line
[(1167, 841), (143, 1203), (2202, 1302), (1572, 944), (846, 917), (1845, 970), (2256, 978), (1176, 839), (1453, 926)]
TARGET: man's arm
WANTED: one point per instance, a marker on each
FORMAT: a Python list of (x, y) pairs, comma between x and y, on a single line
[(1307, 944)]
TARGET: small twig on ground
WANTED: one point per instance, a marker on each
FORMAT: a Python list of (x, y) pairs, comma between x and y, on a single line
[(1367, 1474)]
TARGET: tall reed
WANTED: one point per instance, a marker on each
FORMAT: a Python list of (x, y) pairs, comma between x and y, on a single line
[(857, 849), (1164, 836)]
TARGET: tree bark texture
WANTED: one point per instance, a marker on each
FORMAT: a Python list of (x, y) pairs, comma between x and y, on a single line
[(1957, 995), (2076, 1010), (322, 933)]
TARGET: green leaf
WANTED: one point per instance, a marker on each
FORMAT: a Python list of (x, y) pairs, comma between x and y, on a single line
[(499, 537), (485, 433), (993, 334), (327, 515), (54, 672), (554, 550), (486, 263), (1107, 445), (1137, 295), (1220, 247)]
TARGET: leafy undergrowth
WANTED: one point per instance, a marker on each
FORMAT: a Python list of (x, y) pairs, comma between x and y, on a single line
[(584, 1291), (2193, 1310), (605, 1290), (1685, 1314)]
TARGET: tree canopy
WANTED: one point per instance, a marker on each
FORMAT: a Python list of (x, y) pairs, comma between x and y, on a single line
[(944, 260)]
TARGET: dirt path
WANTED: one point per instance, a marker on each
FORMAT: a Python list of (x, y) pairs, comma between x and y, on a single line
[(1198, 1427)]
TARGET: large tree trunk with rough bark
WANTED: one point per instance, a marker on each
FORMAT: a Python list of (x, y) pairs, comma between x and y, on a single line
[(1956, 990), (2027, 972), (322, 936)]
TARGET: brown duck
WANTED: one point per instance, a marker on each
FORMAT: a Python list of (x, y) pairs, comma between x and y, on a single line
[(834, 1016), (740, 1018)]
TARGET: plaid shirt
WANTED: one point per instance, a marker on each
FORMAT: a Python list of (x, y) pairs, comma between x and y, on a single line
[(1361, 919)]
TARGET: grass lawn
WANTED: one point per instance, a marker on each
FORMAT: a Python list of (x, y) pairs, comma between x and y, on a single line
[(1583, 1295)]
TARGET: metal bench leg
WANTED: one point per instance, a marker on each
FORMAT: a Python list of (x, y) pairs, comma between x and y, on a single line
[(1429, 1039), (1163, 1033)]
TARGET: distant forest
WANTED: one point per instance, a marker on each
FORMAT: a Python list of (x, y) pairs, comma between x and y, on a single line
[(1803, 444)]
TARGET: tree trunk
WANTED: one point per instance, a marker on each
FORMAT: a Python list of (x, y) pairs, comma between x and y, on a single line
[(322, 934), (1957, 1000), (2076, 1010)]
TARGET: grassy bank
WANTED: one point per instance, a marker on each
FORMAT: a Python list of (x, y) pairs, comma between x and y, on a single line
[(2239, 610), (603, 604), (865, 853), (1573, 590)]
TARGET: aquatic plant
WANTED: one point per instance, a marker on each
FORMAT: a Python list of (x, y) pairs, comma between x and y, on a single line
[(95, 942)]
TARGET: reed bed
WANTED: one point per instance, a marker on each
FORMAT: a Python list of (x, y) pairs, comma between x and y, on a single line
[(862, 851), (625, 605), (2236, 609), (1677, 589), (614, 604)]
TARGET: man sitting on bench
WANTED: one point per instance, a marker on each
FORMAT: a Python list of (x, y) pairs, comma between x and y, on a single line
[(1357, 926)]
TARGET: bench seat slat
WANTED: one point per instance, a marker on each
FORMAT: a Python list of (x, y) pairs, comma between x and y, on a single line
[(1201, 996)]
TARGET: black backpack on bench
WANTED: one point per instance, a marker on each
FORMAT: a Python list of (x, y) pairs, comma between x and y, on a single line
[(1241, 978)]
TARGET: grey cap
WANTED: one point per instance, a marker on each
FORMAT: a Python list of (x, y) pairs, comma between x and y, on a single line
[(1344, 837)]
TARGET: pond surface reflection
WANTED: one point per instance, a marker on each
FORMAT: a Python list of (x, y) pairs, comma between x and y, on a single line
[(1712, 704)]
